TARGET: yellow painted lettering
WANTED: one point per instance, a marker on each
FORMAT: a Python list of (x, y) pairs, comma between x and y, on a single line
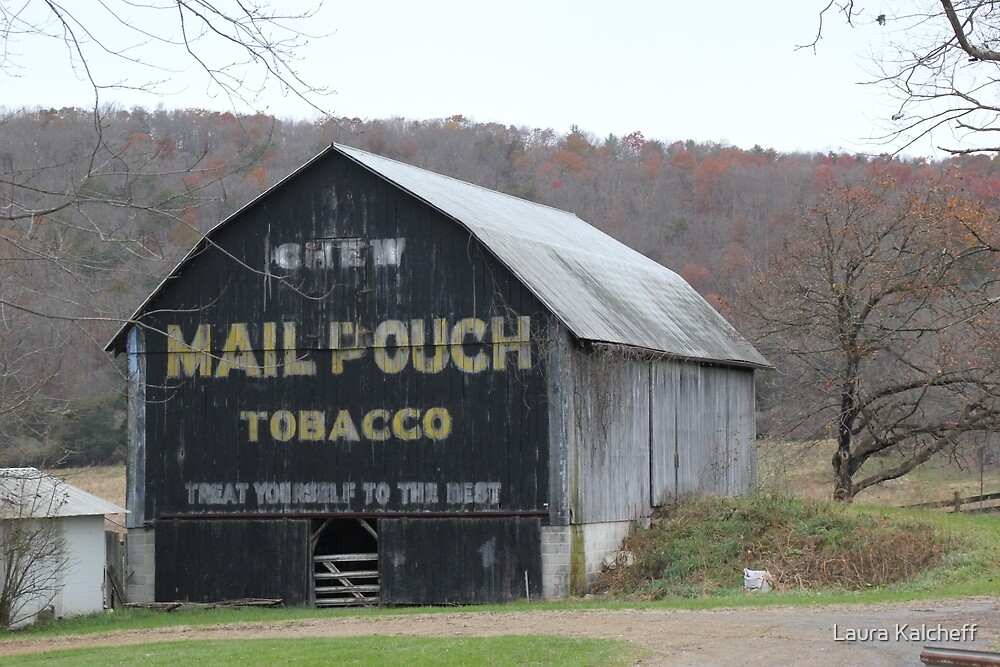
[(345, 343), (283, 426), (312, 425), (253, 419), (368, 425), (477, 328), (344, 428), (186, 358), (270, 349), (437, 423), (395, 361), (293, 365), (399, 424), (519, 343), (237, 353), (417, 340)]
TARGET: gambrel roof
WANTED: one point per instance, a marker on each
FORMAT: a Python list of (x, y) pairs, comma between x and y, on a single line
[(600, 289)]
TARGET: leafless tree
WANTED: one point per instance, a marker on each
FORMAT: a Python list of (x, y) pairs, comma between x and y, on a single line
[(32, 547), (881, 317), (98, 209), (240, 50), (941, 62)]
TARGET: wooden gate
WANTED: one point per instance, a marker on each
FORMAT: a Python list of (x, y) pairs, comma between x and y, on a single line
[(345, 568)]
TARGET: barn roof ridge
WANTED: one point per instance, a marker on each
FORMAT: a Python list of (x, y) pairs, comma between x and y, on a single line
[(623, 298), (599, 288)]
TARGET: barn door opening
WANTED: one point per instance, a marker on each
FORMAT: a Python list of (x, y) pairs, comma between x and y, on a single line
[(345, 562)]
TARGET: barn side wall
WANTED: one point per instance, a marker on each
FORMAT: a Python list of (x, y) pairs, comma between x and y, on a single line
[(629, 433), (611, 437), (703, 431), (646, 432)]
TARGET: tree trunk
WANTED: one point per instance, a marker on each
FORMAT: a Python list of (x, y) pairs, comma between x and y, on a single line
[(843, 487)]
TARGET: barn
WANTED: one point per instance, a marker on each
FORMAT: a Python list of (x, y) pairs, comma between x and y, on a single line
[(52, 546), (377, 384)]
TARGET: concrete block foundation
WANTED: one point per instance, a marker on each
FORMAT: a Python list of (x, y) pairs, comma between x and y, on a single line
[(140, 555), (573, 555)]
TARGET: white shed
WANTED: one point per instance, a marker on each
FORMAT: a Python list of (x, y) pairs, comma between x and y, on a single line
[(52, 547)]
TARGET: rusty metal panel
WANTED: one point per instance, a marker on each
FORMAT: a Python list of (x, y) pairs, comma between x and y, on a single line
[(611, 411), (345, 349), (463, 560), (225, 559)]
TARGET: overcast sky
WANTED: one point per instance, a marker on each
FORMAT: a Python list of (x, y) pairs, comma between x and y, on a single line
[(725, 71)]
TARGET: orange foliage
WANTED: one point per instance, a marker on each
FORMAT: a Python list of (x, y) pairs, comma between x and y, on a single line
[(258, 177), (684, 161), (708, 184), (695, 274)]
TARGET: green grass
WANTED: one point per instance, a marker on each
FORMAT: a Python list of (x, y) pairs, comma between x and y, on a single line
[(818, 551), (411, 651)]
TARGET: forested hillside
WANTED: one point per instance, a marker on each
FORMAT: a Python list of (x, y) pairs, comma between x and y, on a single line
[(71, 272)]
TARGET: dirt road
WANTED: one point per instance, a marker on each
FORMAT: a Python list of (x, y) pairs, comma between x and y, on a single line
[(775, 635)]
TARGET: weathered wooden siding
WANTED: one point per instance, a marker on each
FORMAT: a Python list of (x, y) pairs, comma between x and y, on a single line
[(460, 560), (639, 432), (344, 348), (666, 421), (703, 431), (210, 560), (135, 424), (562, 424), (741, 430), (610, 480)]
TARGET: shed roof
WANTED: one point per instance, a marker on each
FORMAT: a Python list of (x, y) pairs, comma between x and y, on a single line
[(30, 493), (602, 290)]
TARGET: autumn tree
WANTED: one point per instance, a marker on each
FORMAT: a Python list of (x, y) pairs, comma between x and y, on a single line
[(881, 316)]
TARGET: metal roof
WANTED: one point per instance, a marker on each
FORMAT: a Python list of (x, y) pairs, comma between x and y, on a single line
[(602, 290), (30, 493)]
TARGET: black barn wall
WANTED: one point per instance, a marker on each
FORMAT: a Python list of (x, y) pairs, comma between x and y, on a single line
[(208, 561), (341, 348), (468, 561), (473, 440)]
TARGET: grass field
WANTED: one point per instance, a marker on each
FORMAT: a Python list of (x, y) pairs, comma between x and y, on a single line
[(803, 470), (411, 651)]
